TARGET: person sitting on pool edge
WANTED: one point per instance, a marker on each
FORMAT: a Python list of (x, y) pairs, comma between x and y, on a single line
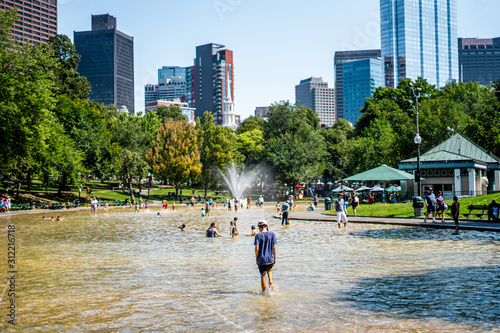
[(212, 231)]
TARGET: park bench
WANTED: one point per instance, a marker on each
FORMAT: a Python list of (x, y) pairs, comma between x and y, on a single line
[(43, 205), (25, 206), (14, 207), (117, 203), (56, 205), (474, 209)]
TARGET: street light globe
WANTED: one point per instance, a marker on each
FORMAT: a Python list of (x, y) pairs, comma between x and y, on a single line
[(417, 139)]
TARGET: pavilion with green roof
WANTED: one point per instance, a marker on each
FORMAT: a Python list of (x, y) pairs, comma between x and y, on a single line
[(457, 167)]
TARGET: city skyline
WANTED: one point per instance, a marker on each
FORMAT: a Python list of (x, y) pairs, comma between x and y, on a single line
[(272, 50)]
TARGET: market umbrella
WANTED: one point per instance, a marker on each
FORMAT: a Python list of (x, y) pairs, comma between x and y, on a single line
[(299, 186), (363, 188), (393, 188), (377, 188), (381, 174), (342, 188)]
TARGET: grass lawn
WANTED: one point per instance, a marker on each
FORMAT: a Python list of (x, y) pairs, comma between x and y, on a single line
[(406, 209)]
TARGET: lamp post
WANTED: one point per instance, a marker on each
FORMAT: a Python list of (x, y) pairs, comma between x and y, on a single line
[(418, 139)]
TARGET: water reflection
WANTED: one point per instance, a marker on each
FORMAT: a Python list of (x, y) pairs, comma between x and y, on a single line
[(464, 294)]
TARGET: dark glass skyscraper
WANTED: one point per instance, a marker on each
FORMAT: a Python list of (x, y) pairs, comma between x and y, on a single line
[(419, 38), (214, 79), (479, 59), (107, 62), (340, 58)]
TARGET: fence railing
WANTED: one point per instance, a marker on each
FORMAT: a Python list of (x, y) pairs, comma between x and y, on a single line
[(398, 197)]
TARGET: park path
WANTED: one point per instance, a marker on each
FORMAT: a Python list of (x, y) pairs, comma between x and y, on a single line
[(464, 224)]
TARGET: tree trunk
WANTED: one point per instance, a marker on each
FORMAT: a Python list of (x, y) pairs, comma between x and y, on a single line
[(29, 181), (18, 189), (131, 190), (206, 189), (62, 183), (177, 186)]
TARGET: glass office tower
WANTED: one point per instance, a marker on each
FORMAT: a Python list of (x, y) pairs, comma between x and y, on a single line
[(419, 38), (361, 78)]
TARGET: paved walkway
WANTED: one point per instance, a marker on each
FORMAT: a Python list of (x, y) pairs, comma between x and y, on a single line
[(448, 224)]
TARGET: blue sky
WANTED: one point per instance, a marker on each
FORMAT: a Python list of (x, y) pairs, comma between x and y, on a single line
[(276, 43)]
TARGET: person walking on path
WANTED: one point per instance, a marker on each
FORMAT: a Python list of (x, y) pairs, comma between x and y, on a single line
[(284, 213), (455, 212), (355, 203), (339, 207), (440, 206), (265, 254), (430, 203)]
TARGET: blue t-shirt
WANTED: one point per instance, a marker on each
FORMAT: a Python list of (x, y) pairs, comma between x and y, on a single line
[(431, 199), (266, 242), (284, 208)]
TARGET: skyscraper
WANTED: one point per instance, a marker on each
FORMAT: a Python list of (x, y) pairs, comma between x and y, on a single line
[(419, 39), (107, 62), (213, 80), (313, 93), (479, 59), (172, 84), (361, 78), (37, 19), (340, 58)]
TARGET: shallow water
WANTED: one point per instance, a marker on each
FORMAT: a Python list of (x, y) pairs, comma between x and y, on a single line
[(127, 273)]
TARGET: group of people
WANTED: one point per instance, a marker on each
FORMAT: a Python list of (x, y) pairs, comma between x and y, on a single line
[(95, 203), (5, 204), (436, 206), (265, 247)]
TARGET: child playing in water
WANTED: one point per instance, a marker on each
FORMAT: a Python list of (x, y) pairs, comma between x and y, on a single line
[(203, 212), (234, 228), (254, 231)]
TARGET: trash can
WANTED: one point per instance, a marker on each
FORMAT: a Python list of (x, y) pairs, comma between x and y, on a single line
[(418, 206), (33, 204), (328, 203), (126, 202), (77, 203)]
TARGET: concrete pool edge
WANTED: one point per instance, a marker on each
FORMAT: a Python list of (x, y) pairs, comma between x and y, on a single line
[(403, 221)]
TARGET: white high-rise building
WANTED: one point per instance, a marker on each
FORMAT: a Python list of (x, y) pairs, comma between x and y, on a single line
[(314, 94)]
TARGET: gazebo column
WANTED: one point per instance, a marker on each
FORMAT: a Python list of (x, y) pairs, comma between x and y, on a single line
[(458, 183), (472, 182)]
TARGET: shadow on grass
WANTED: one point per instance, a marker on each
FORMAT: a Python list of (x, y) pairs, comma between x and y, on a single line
[(463, 295)]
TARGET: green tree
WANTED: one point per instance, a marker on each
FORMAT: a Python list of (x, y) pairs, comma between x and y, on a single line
[(250, 147), (251, 123), (59, 156), (131, 164), (337, 139), (215, 148), (26, 81), (68, 81), (170, 112), (87, 125), (295, 147), (174, 154)]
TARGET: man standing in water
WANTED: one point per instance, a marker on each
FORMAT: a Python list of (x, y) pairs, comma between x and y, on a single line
[(265, 253), (339, 207)]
